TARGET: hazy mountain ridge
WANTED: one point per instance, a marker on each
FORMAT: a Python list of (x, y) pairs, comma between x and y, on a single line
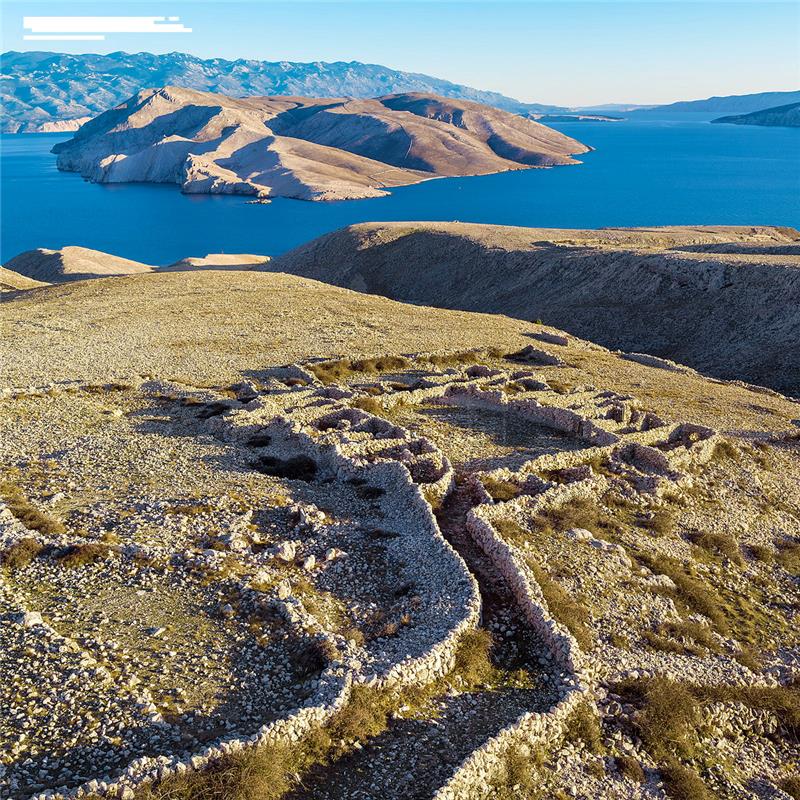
[(39, 87), (787, 116), (743, 103)]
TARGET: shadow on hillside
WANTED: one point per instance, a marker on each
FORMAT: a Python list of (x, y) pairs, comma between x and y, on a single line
[(742, 248)]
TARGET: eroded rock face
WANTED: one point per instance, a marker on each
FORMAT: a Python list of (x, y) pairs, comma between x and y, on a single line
[(309, 149)]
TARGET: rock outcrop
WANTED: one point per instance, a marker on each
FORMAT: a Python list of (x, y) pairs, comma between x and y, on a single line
[(721, 299), (308, 149)]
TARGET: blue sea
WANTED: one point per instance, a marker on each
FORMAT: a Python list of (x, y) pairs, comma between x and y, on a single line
[(677, 170)]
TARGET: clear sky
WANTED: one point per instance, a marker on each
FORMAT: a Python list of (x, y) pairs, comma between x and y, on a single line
[(564, 53)]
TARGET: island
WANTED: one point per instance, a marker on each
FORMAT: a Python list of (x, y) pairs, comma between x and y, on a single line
[(787, 116), (305, 148)]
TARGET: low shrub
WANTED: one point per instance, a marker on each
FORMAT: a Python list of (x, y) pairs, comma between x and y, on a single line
[(791, 786), (682, 782), (343, 368), (369, 404), (762, 553), (789, 557), (21, 553), (258, 774), (78, 555), (472, 662), (583, 726), (630, 768), (722, 545)]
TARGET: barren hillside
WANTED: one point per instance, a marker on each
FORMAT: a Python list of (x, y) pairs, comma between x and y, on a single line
[(724, 300), (262, 537), (71, 264), (309, 149)]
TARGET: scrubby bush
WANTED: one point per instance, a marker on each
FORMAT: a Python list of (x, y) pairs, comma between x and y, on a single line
[(21, 553), (584, 726), (630, 768), (473, 664), (258, 774), (78, 555)]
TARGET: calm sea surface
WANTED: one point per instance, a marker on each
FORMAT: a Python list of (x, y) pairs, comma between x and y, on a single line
[(670, 171)]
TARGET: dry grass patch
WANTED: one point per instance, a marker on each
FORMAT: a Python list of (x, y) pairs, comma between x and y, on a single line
[(583, 726), (78, 555), (473, 664), (789, 557), (500, 490), (258, 774), (21, 553), (341, 369), (791, 786), (573, 615), (685, 636), (27, 513), (683, 783), (368, 404), (721, 545)]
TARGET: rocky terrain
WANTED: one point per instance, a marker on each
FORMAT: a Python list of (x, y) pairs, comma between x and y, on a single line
[(40, 89), (323, 149), (723, 300), (264, 537), (787, 116)]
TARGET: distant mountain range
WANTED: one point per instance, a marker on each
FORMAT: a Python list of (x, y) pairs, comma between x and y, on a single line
[(739, 103), (787, 116), (37, 89), (54, 92)]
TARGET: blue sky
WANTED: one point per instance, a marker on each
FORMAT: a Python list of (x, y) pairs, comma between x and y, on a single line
[(553, 52)]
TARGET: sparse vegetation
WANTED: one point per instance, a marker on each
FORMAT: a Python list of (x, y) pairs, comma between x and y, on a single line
[(21, 553), (472, 657), (27, 513), (791, 786), (762, 553), (500, 490), (565, 608), (789, 557), (257, 774), (341, 369), (630, 768), (368, 404), (79, 555), (583, 726), (721, 545), (684, 636), (682, 782)]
